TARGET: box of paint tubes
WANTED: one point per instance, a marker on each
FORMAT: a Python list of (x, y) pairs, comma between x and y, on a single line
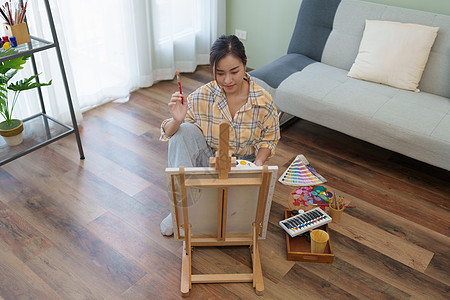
[(299, 247)]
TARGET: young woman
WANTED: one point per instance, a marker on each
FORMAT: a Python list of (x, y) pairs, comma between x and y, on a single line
[(193, 129)]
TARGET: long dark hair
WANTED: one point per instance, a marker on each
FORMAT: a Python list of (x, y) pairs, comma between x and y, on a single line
[(226, 44)]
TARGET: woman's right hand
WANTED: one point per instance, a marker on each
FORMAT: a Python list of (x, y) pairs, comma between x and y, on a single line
[(178, 107)]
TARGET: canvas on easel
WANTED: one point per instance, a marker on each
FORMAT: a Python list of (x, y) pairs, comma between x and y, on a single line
[(241, 202), (221, 206)]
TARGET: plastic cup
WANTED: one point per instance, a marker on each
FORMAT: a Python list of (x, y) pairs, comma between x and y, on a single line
[(319, 239), (336, 214)]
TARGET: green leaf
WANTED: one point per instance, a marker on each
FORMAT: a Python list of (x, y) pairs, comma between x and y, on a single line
[(15, 63), (10, 75), (26, 84)]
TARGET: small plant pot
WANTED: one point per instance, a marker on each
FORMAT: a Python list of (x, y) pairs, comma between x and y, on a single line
[(12, 136)]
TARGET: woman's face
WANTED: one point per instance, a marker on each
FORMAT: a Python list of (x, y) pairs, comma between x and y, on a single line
[(230, 72)]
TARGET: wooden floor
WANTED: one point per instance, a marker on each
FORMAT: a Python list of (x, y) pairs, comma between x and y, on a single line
[(72, 229)]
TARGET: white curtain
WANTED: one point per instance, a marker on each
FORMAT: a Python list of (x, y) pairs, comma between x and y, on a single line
[(113, 47)]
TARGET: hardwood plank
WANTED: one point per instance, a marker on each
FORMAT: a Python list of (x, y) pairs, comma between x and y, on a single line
[(308, 285), (76, 241), (144, 212), (408, 190), (155, 196), (141, 110), (138, 145), (65, 196), (9, 186), (141, 249), (19, 237), (344, 275), (127, 122), (69, 278), (423, 213), (17, 281), (149, 286), (206, 260), (388, 244), (103, 167), (397, 274), (122, 156), (408, 231)]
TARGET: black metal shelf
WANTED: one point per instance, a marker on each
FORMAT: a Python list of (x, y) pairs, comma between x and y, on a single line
[(41, 129), (35, 45)]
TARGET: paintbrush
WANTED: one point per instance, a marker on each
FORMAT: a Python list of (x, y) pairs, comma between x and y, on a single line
[(179, 86), (4, 15), (23, 11)]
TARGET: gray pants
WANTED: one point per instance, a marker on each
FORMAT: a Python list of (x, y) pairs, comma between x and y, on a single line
[(188, 148)]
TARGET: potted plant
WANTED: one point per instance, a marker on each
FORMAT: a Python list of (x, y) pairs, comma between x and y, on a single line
[(11, 129)]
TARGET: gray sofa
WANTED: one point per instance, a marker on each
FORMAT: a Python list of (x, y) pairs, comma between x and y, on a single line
[(311, 82)]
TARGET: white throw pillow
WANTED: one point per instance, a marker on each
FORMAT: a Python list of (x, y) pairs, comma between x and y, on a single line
[(393, 53)]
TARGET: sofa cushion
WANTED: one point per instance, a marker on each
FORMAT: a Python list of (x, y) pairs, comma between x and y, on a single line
[(277, 71), (343, 43), (442, 131), (435, 78), (313, 26), (393, 53)]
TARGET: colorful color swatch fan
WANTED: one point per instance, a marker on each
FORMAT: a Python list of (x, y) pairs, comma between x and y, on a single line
[(300, 173)]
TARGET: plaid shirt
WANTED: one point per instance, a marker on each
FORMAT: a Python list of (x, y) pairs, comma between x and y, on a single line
[(255, 124)]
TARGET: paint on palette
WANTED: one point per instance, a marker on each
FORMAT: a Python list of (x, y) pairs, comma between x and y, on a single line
[(244, 163)]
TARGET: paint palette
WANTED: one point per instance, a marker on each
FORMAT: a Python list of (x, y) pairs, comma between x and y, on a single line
[(244, 163), (307, 197), (300, 173)]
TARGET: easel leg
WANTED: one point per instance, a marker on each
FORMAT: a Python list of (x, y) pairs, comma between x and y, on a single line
[(258, 282), (185, 270)]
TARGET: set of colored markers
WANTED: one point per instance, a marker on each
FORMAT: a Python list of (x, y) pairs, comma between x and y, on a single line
[(13, 12)]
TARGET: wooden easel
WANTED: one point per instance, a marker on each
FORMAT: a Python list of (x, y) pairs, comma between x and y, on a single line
[(222, 163)]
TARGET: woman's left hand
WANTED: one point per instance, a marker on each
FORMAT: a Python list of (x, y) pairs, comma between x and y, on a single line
[(259, 163), (262, 156)]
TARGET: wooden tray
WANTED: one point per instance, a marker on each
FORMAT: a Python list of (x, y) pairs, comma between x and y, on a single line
[(299, 249)]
